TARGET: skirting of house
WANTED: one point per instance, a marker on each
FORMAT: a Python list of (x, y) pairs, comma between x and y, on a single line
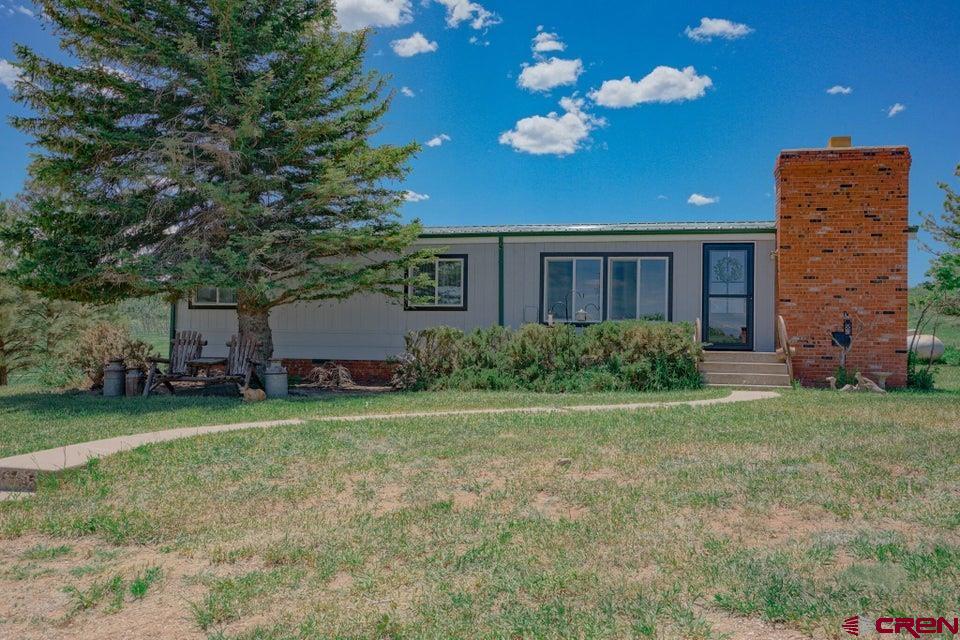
[(367, 372)]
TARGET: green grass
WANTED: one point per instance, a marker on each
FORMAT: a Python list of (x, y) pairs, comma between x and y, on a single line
[(32, 419), (666, 523)]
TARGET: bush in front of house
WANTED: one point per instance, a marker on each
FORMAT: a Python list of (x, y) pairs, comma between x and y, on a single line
[(103, 341), (609, 356)]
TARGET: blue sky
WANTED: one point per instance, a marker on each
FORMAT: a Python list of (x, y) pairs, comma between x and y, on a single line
[(707, 108)]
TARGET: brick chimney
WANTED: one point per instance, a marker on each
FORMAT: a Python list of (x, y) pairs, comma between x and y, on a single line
[(842, 231)]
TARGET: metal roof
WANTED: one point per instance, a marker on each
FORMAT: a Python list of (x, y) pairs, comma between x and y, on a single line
[(638, 228)]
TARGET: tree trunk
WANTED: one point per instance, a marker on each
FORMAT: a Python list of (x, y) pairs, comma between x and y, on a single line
[(4, 377), (254, 321)]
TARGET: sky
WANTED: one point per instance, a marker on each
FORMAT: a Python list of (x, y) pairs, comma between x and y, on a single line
[(553, 111)]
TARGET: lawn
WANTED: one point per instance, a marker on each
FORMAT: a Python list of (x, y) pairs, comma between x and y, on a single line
[(32, 419), (769, 518)]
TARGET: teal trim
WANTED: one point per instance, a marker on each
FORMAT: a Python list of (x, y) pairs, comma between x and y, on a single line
[(500, 282), (173, 327), (591, 232)]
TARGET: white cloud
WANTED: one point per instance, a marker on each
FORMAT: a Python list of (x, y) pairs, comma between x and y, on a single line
[(711, 28), (839, 89), (24, 10), (895, 108), (553, 134), (663, 84), (407, 47), (359, 14), (436, 141), (464, 10), (413, 196), (544, 42), (407, 91), (662, 197), (700, 200), (8, 74), (551, 73)]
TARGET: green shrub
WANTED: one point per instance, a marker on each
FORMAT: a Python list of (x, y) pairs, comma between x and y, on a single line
[(844, 377), (919, 373), (430, 355), (537, 352), (608, 356)]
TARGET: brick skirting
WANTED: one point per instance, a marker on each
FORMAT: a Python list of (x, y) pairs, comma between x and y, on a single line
[(371, 372)]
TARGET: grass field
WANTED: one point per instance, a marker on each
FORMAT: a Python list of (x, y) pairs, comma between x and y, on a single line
[(757, 520), (32, 419)]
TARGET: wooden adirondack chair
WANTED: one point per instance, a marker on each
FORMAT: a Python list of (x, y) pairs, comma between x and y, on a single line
[(241, 360), (186, 346)]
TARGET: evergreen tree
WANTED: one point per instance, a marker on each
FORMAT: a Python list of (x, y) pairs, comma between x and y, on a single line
[(208, 143)]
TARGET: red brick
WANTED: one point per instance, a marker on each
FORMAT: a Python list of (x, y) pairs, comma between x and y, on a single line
[(369, 372), (842, 227)]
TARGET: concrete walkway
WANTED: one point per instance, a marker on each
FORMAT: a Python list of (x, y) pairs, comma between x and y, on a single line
[(19, 473)]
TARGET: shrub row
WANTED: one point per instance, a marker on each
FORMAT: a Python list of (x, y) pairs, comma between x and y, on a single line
[(610, 356)]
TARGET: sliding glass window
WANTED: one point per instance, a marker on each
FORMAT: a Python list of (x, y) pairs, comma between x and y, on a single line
[(573, 289), (639, 288)]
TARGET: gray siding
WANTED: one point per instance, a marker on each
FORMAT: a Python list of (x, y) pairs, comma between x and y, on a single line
[(371, 327)]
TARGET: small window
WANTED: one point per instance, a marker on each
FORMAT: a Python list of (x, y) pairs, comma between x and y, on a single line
[(639, 288), (445, 285), (214, 297), (572, 289)]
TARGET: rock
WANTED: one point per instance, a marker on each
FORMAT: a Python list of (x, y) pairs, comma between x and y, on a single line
[(563, 463), (866, 384), (927, 347)]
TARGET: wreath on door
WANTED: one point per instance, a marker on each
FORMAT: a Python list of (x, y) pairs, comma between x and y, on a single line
[(728, 270)]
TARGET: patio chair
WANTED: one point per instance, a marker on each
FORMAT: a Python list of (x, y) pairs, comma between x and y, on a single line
[(185, 346), (241, 361)]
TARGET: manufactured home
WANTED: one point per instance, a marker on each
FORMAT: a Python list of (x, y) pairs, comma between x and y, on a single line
[(836, 247)]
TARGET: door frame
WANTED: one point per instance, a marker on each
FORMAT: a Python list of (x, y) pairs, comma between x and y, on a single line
[(750, 248)]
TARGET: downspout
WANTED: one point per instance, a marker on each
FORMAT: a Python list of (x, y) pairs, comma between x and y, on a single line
[(173, 328), (500, 280)]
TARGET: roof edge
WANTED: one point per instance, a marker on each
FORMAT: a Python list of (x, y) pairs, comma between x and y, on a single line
[(767, 227)]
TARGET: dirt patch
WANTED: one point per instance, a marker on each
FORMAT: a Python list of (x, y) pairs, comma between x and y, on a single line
[(37, 606), (737, 628), (341, 581), (464, 500), (554, 508), (768, 527), (389, 498), (596, 475)]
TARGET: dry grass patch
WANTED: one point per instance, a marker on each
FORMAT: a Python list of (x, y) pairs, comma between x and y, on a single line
[(684, 522)]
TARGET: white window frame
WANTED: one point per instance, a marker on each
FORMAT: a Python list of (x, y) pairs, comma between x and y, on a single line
[(199, 304), (638, 259), (572, 312), (436, 305)]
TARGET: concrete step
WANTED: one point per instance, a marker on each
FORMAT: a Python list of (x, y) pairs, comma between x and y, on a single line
[(755, 387), (751, 379), (741, 356), (723, 366)]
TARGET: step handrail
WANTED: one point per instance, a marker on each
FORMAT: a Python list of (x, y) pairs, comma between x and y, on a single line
[(784, 340)]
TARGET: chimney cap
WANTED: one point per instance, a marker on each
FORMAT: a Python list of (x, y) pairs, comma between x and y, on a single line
[(840, 142)]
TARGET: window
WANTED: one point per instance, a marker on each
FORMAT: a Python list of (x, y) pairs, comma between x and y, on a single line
[(587, 288), (214, 297), (572, 289), (445, 287), (639, 288)]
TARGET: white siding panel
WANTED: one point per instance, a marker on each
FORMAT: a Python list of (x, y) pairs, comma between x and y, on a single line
[(372, 326)]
